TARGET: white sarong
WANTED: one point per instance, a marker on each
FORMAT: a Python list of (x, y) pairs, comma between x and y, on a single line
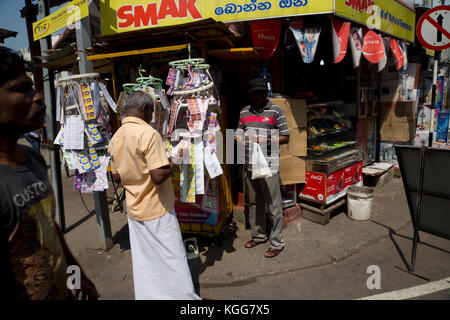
[(160, 268)]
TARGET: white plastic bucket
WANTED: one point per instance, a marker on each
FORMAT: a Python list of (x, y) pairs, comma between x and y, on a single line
[(359, 202)]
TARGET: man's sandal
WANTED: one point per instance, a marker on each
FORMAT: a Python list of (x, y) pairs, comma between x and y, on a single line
[(272, 252), (253, 243)]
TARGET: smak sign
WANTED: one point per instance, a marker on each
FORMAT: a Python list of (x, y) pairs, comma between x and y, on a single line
[(360, 5), (138, 16)]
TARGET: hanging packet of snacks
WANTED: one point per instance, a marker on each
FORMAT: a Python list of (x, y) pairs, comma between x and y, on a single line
[(82, 111)]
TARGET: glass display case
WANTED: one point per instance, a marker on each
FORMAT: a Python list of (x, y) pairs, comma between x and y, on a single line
[(330, 132), (335, 158)]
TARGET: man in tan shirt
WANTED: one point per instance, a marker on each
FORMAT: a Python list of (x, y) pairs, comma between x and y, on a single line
[(139, 162)]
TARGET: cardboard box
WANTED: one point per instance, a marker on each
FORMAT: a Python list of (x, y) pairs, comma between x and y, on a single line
[(397, 131), (292, 170), (295, 111), (297, 143), (400, 111)]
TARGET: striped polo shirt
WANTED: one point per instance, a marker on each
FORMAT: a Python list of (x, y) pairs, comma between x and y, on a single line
[(270, 122)]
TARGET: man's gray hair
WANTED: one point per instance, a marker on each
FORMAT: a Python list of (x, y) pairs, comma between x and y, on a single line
[(138, 99)]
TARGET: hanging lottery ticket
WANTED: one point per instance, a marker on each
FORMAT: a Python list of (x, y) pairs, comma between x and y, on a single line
[(212, 131), (187, 178), (77, 181), (85, 126), (199, 168), (87, 100), (107, 96), (74, 133), (82, 161), (59, 140), (94, 133)]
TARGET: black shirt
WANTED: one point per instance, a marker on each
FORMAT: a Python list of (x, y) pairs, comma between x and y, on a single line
[(31, 254)]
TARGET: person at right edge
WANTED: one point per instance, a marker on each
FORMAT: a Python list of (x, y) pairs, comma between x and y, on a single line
[(257, 122)]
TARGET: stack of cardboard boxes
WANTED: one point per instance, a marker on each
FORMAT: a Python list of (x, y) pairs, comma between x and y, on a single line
[(398, 121), (292, 155), (398, 110), (398, 126)]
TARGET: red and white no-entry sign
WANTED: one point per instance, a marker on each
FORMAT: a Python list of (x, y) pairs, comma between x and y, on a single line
[(433, 28)]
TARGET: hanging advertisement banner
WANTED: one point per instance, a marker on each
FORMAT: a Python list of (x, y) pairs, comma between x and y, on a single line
[(389, 16), (402, 46), (386, 46), (126, 15), (356, 39), (397, 54), (265, 36), (306, 37), (61, 18), (340, 31), (373, 48)]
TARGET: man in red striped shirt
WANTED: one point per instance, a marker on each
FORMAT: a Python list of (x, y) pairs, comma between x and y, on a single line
[(264, 123)]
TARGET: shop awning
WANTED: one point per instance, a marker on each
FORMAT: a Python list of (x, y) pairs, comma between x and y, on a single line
[(65, 59), (198, 32), (393, 17), (4, 34), (205, 33)]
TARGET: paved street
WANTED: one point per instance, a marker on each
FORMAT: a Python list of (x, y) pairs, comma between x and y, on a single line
[(319, 262)]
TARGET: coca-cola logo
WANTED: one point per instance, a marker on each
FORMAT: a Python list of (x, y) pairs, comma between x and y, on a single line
[(314, 177)]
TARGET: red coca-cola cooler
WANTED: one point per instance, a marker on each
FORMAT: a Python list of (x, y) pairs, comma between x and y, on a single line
[(335, 158)]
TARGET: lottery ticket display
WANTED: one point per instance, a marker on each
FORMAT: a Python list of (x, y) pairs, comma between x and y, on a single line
[(82, 110), (193, 120)]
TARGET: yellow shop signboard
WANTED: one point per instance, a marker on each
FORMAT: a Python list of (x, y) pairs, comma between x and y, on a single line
[(389, 16), (128, 15), (61, 18)]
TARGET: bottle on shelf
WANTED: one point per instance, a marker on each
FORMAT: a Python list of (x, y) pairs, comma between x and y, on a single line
[(263, 73)]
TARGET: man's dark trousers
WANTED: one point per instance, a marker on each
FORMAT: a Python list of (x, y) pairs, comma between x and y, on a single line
[(264, 194)]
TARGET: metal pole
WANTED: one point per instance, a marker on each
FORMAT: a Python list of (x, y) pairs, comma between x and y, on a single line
[(50, 119), (437, 55), (29, 12), (418, 209), (83, 34)]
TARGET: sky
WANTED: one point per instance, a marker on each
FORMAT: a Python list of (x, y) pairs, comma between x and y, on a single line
[(10, 19)]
